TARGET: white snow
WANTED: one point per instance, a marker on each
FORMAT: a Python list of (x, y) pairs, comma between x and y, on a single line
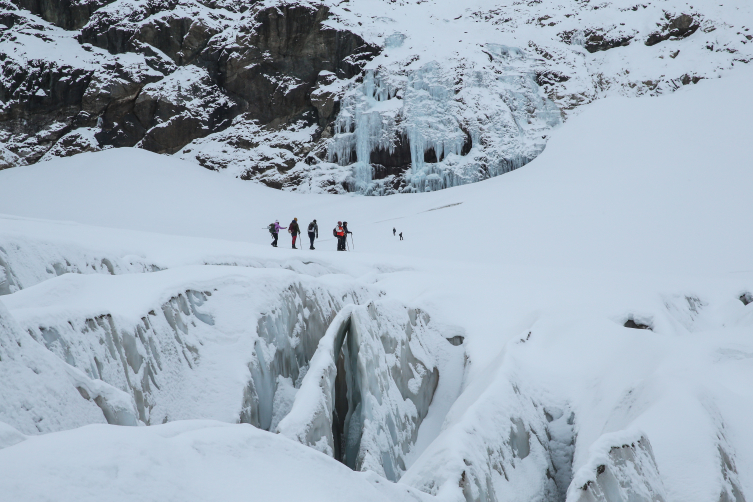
[(639, 209), (190, 460)]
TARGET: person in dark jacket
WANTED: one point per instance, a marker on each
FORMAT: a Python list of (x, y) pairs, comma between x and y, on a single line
[(393, 231), (401, 236), (294, 230), (313, 232)]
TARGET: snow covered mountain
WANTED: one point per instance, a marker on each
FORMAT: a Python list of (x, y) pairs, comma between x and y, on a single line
[(372, 96), (576, 330)]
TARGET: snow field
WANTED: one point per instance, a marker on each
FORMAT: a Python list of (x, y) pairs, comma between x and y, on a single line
[(188, 460)]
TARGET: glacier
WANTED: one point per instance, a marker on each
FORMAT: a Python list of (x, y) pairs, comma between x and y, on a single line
[(574, 331)]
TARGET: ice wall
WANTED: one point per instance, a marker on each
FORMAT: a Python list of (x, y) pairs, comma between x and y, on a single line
[(176, 362), (40, 393), (621, 468), (287, 338), (24, 263), (368, 388), (146, 360), (437, 125), (499, 442)]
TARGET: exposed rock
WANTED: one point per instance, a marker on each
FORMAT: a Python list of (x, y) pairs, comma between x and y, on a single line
[(181, 108), (632, 323), (274, 62), (42, 103), (276, 67), (9, 159), (77, 141), (67, 14), (746, 298), (600, 42), (325, 97), (596, 40), (676, 27), (181, 34)]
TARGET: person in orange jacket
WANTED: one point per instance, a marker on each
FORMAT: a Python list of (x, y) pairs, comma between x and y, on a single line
[(339, 232)]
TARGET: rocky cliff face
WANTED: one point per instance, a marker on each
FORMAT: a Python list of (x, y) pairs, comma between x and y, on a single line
[(158, 74), (371, 97)]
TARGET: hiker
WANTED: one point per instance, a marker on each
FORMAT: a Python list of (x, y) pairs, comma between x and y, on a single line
[(393, 231), (401, 236), (345, 235), (340, 234), (274, 229), (294, 230), (313, 232)]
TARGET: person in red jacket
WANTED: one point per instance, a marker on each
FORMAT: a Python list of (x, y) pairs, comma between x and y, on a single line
[(340, 234)]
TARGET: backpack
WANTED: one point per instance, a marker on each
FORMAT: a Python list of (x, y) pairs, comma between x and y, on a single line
[(334, 231), (271, 228), (311, 227)]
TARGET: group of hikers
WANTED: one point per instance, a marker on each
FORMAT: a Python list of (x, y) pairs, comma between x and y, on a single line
[(340, 231)]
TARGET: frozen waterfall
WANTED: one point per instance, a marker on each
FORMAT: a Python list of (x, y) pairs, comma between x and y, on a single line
[(435, 126)]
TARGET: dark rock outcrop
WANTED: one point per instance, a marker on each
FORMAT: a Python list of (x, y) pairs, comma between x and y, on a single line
[(197, 68), (596, 40), (180, 34), (43, 101), (275, 66), (66, 14), (676, 27)]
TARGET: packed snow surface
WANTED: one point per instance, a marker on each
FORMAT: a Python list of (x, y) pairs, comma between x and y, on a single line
[(599, 302)]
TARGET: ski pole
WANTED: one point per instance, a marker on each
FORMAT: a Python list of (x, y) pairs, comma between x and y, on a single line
[(352, 241)]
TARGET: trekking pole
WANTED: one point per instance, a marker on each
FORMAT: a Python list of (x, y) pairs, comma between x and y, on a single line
[(351, 240)]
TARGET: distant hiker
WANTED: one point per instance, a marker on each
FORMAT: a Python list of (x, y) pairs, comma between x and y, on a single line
[(393, 231), (339, 232), (345, 237), (401, 236), (274, 229), (294, 230), (313, 232)]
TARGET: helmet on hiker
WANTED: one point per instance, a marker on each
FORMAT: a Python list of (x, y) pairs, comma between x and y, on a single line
[(295, 219), (339, 222)]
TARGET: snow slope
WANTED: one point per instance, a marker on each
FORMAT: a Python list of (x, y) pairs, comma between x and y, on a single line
[(636, 214)]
